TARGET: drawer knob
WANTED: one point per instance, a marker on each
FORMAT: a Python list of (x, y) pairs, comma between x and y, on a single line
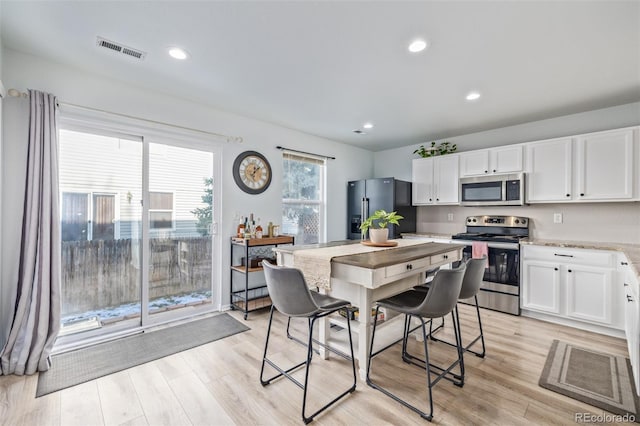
[(568, 195), (629, 298), (623, 263), (409, 266), (445, 256), (582, 194), (555, 269), (569, 270)]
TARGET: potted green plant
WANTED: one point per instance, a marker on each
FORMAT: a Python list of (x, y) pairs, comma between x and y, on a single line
[(377, 223), (440, 149)]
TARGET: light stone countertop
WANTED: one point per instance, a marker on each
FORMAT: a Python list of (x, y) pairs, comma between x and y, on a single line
[(631, 251), (426, 235)]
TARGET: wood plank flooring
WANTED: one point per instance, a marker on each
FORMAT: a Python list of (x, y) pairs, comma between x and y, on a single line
[(218, 384)]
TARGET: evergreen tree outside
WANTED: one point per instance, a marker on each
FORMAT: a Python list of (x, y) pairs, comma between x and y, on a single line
[(204, 214)]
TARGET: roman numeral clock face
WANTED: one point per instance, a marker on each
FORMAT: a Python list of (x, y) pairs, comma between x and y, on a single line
[(252, 172)]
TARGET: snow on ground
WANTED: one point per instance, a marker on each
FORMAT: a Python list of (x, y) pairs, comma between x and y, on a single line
[(130, 310)]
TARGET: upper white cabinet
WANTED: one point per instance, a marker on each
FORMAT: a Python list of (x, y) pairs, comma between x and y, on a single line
[(594, 167), (604, 165), (435, 180), (507, 159), (549, 166)]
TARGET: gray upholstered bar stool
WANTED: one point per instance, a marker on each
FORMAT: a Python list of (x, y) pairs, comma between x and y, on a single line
[(438, 302), (291, 296), (470, 287)]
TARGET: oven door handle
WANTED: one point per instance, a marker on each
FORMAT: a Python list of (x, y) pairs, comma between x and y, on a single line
[(494, 245)]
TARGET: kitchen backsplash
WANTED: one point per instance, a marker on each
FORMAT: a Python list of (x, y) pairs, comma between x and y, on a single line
[(611, 222)]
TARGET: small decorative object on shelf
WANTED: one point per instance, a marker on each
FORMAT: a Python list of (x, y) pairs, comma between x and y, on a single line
[(440, 149)]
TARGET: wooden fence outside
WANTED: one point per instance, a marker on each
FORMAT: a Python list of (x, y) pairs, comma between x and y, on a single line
[(106, 273)]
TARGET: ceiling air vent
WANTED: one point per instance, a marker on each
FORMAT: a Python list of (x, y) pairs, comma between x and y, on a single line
[(120, 48)]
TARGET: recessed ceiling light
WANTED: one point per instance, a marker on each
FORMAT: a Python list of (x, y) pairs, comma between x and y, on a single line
[(368, 125), (177, 53), (417, 46), (472, 96)]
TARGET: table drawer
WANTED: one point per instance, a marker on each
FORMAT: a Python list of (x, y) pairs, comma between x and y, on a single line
[(401, 268), (445, 257)]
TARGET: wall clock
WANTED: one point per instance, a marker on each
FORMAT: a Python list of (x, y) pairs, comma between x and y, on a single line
[(252, 172)]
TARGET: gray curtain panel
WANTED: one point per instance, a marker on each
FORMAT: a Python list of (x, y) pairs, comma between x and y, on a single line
[(36, 320)]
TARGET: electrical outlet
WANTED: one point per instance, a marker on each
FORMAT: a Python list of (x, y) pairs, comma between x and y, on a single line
[(557, 218), (450, 217)]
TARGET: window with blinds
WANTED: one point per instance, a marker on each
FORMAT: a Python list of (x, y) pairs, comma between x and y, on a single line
[(303, 203), (160, 210)]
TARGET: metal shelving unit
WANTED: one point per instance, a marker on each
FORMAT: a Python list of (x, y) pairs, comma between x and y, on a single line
[(246, 298)]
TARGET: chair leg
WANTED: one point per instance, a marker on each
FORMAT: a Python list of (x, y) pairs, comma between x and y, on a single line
[(297, 340), (266, 345), (430, 383), (309, 419), (473, 342), (265, 360), (456, 331)]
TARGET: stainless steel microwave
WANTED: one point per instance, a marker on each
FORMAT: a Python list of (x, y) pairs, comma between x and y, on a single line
[(495, 190)]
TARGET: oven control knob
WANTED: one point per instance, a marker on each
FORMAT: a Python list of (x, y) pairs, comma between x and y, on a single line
[(517, 220), (524, 221), (474, 220)]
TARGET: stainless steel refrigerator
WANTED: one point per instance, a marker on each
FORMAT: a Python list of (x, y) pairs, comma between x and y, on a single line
[(368, 195)]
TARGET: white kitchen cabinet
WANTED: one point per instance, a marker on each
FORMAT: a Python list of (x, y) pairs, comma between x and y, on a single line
[(604, 165), (574, 284), (435, 180), (632, 327), (585, 168), (542, 289), (549, 171), (506, 159), (589, 293)]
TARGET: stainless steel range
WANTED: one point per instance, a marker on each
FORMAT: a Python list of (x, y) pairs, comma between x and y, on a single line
[(500, 290)]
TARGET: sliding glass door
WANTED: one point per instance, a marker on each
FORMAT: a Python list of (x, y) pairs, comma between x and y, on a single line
[(137, 238), (180, 220), (100, 189)]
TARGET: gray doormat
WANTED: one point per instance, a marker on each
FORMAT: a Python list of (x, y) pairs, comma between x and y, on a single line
[(72, 368), (602, 380)]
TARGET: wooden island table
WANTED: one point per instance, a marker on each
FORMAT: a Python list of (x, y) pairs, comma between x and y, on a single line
[(362, 275)]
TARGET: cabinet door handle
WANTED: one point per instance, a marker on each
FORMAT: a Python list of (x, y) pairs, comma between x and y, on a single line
[(409, 266), (569, 270), (494, 170), (623, 263), (437, 199), (626, 285), (629, 298), (555, 269), (582, 194), (562, 255), (568, 195), (445, 256), (486, 171)]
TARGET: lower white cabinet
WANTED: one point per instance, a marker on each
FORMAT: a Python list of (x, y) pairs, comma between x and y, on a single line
[(541, 286), (632, 318), (574, 284)]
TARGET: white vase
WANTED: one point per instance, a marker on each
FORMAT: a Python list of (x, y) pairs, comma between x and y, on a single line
[(379, 235)]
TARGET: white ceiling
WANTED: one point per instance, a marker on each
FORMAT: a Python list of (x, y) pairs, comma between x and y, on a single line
[(327, 67)]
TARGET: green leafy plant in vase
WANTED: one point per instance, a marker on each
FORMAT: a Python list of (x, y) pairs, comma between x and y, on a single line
[(377, 224)]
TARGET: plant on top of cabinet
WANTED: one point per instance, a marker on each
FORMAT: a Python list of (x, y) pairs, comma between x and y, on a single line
[(440, 149)]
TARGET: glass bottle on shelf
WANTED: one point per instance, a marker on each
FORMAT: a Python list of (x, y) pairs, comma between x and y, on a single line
[(258, 230), (240, 230)]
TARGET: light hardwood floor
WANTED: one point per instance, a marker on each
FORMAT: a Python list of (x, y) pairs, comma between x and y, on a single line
[(217, 384)]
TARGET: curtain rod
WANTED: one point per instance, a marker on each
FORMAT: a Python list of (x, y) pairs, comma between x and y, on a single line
[(304, 152), (237, 139)]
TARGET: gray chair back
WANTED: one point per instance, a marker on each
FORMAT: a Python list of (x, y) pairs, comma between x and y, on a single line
[(473, 277), (443, 293), (288, 290)]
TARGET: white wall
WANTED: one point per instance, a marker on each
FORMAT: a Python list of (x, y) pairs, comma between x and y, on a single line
[(78, 87), (397, 162), (598, 222)]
